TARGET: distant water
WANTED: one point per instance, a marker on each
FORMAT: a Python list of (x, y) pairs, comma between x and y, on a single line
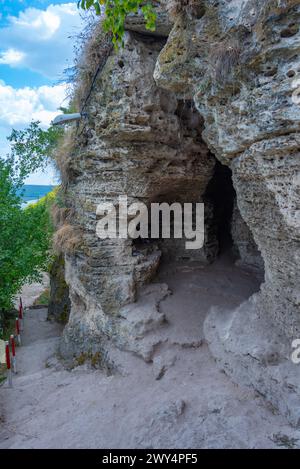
[(32, 193)]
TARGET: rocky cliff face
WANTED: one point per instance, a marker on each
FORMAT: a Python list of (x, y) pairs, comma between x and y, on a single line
[(223, 83), (142, 142), (239, 61)]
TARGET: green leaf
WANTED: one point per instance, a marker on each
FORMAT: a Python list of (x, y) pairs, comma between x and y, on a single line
[(115, 15), (97, 9)]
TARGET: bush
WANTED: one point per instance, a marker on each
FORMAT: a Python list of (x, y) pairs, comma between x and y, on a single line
[(116, 12), (25, 234)]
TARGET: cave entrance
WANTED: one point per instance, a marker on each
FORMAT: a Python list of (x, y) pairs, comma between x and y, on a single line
[(220, 202), (215, 277), (226, 233)]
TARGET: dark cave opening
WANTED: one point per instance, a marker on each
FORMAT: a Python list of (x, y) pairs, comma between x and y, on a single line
[(219, 199), (221, 194)]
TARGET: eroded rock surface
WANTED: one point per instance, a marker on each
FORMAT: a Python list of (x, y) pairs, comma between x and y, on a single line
[(245, 246), (142, 142), (239, 61), (235, 66), (59, 303)]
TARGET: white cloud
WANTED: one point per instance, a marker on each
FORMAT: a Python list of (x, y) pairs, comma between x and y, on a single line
[(43, 24), (18, 107), (40, 39), (11, 57)]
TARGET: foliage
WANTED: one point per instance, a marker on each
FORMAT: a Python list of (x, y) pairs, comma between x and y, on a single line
[(43, 299), (31, 149), (115, 14), (24, 238), (7, 325), (25, 234)]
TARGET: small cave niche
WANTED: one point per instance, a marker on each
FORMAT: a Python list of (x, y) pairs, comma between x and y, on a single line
[(221, 195), (196, 177), (226, 234), (219, 202)]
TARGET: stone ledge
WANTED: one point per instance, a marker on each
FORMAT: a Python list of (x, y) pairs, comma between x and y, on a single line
[(253, 353)]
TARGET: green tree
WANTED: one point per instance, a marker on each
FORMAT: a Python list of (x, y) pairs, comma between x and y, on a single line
[(25, 234), (115, 12), (31, 149), (24, 239)]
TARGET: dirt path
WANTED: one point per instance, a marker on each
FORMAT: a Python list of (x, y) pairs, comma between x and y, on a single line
[(187, 403)]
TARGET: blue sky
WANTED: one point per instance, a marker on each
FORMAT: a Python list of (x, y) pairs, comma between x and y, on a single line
[(36, 46)]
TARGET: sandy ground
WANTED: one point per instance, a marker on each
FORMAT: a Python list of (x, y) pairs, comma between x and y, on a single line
[(180, 400)]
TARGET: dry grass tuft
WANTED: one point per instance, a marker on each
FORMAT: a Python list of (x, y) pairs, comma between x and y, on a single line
[(95, 48), (61, 215), (92, 53), (93, 56), (63, 155), (67, 239), (194, 8), (224, 57)]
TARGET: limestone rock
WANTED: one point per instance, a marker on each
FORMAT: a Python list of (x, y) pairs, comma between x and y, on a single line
[(259, 358), (161, 364), (247, 251), (240, 63), (136, 22), (137, 141), (59, 303), (225, 83)]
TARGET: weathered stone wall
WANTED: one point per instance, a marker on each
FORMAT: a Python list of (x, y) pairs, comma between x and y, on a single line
[(239, 62), (244, 244), (139, 141)]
